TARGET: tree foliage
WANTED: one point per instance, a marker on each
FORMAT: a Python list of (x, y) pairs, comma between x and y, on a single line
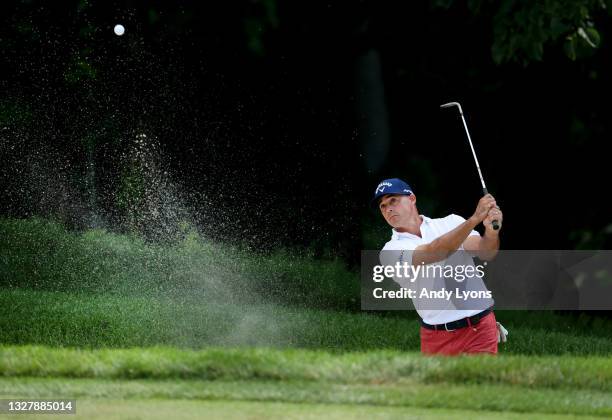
[(522, 29)]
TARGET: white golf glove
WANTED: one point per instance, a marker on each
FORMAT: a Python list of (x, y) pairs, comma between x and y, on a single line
[(502, 333)]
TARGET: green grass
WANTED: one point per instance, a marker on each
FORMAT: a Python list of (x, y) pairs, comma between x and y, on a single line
[(376, 383), (134, 329), (254, 410), (494, 398), (85, 320), (379, 367), (109, 320), (98, 288), (42, 255)]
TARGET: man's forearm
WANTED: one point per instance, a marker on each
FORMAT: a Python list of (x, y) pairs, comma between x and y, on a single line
[(443, 246), (489, 246), (452, 240)]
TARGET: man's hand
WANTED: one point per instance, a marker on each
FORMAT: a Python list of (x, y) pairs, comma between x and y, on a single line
[(485, 204), (486, 246), (494, 214), (502, 333)]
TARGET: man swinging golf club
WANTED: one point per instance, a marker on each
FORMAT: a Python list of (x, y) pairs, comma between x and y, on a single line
[(450, 327)]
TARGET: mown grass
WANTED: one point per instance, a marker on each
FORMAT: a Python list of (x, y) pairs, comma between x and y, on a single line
[(528, 384), (229, 410), (380, 367), (495, 399)]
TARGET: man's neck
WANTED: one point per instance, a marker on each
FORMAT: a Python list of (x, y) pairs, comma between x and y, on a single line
[(412, 226)]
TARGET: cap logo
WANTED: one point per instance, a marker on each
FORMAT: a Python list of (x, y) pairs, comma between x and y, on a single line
[(381, 187)]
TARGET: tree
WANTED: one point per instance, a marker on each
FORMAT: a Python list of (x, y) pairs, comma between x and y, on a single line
[(522, 28)]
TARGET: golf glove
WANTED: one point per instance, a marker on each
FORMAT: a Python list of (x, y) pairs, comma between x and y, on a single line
[(502, 333)]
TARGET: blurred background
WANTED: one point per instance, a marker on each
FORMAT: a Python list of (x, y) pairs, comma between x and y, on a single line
[(270, 123)]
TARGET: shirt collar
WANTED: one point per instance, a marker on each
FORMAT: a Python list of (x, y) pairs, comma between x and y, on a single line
[(405, 235)]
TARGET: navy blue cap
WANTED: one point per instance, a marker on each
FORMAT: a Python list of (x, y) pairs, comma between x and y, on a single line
[(391, 186)]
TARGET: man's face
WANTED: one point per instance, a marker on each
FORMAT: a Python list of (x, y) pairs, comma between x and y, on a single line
[(397, 209)]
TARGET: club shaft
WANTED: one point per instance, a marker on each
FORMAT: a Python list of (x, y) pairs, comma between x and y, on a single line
[(495, 223), (484, 187)]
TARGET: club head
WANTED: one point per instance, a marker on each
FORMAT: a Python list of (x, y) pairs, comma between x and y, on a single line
[(448, 105)]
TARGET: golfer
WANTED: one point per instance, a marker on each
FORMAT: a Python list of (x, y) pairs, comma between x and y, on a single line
[(450, 326)]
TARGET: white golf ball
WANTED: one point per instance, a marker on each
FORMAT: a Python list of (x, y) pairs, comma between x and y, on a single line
[(119, 30)]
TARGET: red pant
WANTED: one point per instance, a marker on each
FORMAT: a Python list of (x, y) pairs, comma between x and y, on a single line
[(480, 338)]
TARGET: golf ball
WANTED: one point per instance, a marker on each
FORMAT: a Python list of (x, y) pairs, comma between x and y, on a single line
[(119, 30)]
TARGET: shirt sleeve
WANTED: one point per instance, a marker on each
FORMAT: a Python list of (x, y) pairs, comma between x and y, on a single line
[(401, 251), (398, 252), (455, 220)]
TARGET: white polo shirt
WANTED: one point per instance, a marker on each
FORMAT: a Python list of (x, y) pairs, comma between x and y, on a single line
[(445, 310)]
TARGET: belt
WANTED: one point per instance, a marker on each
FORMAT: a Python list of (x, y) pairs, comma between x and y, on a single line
[(460, 323)]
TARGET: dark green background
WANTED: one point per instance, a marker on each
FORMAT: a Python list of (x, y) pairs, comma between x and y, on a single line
[(275, 120)]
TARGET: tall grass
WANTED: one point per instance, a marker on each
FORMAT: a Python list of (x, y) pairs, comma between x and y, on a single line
[(42, 255), (100, 289), (101, 320)]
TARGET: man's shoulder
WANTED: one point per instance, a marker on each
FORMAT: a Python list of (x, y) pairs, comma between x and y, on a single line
[(401, 244), (451, 219), (393, 244), (396, 250), (450, 222)]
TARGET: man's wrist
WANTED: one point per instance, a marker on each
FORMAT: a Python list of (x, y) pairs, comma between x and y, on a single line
[(473, 222), (491, 233)]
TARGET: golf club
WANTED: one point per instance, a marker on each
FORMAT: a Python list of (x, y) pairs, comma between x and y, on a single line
[(495, 223)]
